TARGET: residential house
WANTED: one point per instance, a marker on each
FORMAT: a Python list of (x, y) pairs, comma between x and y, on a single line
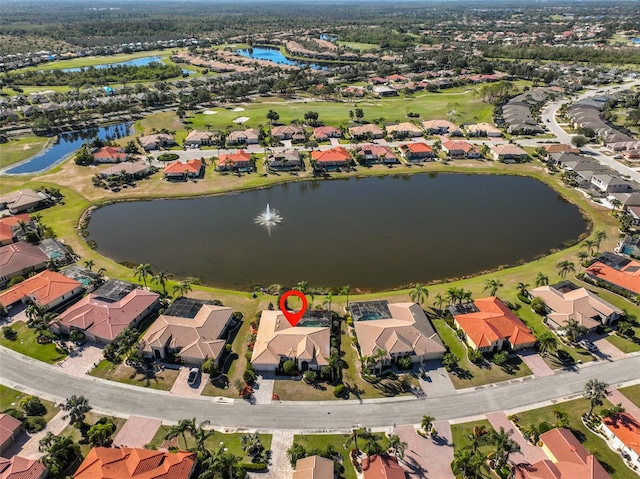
[(136, 169), (101, 316), (561, 148), (239, 161), (376, 154), (460, 149), (441, 127), (10, 429), (369, 130), (568, 459), (484, 129), (308, 343), (615, 271), (157, 141), (18, 467), (57, 252), (490, 326), (382, 467), (627, 199), (134, 463), (314, 467), (508, 153), (323, 133), (18, 259), (624, 431), (288, 132), (384, 91), (632, 154), (398, 329), (566, 302), (193, 329), (196, 139), (48, 290), (14, 228), (404, 130), (109, 154), (606, 183), (250, 136), (417, 151), (334, 158), (177, 170), (23, 200), (285, 161)]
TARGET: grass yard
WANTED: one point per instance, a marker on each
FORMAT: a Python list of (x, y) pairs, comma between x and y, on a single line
[(10, 398), (15, 151), (632, 393), (471, 375), (609, 459), (90, 419), (460, 434), (99, 60), (29, 89), (358, 46), (26, 344), (231, 441), (124, 374)]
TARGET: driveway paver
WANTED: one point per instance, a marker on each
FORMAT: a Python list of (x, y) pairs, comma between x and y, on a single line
[(183, 389), (263, 389), (137, 432), (82, 360), (616, 397), (608, 351), (427, 458), (529, 452), (535, 362), (279, 465), (436, 381)]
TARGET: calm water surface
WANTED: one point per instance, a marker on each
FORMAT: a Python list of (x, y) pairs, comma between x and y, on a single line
[(274, 55), (372, 233)]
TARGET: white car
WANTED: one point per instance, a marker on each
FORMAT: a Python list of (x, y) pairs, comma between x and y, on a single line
[(194, 373)]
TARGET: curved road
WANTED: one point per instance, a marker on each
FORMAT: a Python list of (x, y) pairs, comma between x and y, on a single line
[(49, 382)]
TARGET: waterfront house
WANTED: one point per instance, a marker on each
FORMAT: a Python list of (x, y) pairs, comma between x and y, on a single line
[(178, 170), (615, 272), (337, 157), (508, 153), (416, 151), (156, 141), (23, 200), (47, 289), (109, 154), (136, 169), (376, 154), (460, 149), (610, 183), (18, 259), (285, 161), (239, 161)]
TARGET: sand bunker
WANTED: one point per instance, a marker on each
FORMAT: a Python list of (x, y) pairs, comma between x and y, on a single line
[(209, 112), (238, 108), (241, 119)]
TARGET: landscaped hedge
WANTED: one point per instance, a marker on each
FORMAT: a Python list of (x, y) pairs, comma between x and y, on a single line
[(168, 157), (34, 424), (258, 466), (524, 299)]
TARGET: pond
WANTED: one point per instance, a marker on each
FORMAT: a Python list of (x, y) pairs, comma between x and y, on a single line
[(136, 62), (274, 55), (66, 144), (370, 233)]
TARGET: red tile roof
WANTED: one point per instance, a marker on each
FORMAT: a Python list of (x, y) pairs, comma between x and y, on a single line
[(109, 152), (417, 147), (628, 277), (9, 425), (338, 153), (492, 322), (379, 151), (9, 223), (44, 288), (134, 463), (458, 146), (239, 157), (177, 167), (626, 428), (21, 468), (382, 467)]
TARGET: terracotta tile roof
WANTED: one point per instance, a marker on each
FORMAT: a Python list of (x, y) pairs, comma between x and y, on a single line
[(9, 224), (451, 145), (44, 288), (337, 154), (324, 131), (364, 129), (277, 338), (380, 151), (19, 467), (17, 257), (192, 166), (234, 158), (110, 152), (382, 467), (417, 147), (439, 125), (106, 319), (134, 463), (492, 322), (9, 425), (314, 467), (628, 277), (561, 148), (626, 428), (508, 149)]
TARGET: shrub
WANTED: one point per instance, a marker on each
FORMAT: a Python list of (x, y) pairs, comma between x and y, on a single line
[(15, 280), (9, 333), (544, 427), (32, 406), (538, 305), (475, 356), (249, 377), (524, 299), (168, 157), (501, 358), (289, 367), (339, 391), (310, 376), (565, 357), (404, 362), (325, 372), (258, 466), (210, 366), (13, 412), (34, 424)]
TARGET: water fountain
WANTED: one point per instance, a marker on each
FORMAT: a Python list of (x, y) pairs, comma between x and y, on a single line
[(269, 217)]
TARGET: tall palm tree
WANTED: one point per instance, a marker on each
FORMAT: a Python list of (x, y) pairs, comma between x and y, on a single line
[(582, 256), (182, 287), (397, 446), (439, 301), (542, 279), (427, 423), (101, 272), (143, 271), (76, 408), (573, 330), (161, 278), (590, 245), (478, 437), (419, 293), (505, 446), (327, 302), (89, 264), (200, 435), (183, 427), (565, 267), (492, 285), (303, 287), (353, 438), (547, 342), (470, 463), (594, 392), (598, 237), (452, 295), (372, 441), (345, 291), (378, 357), (522, 288), (60, 453)]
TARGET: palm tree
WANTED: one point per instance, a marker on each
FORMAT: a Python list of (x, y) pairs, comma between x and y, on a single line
[(468, 462), (76, 408), (505, 446), (573, 330), (372, 441), (345, 291), (161, 279), (492, 286), (184, 426), (89, 264), (303, 287), (438, 301), (101, 272), (565, 267), (397, 446), (522, 288), (353, 439), (542, 279), (327, 302), (589, 244), (547, 342), (200, 435), (33, 312), (182, 287), (582, 256), (142, 271), (562, 418), (419, 293), (378, 357), (594, 392), (427, 423), (616, 203), (222, 465), (598, 237), (452, 295), (60, 453), (478, 437)]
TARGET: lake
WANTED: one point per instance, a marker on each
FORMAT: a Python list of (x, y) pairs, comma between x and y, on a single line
[(65, 145), (370, 233), (137, 62), (274, 55)]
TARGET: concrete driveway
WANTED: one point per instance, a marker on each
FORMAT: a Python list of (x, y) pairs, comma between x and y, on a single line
[(606, 351), (82, 360), (137, 432), (183, 389), (436, 381), (427, 458), (535, 362)]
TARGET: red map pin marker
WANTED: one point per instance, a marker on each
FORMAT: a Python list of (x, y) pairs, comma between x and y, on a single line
[(292, 317)]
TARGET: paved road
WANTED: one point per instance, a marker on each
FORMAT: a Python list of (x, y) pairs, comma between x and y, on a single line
[(110, 397)]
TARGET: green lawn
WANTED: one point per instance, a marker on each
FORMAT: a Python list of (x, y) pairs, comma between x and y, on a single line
[(26, 344), (15, 151), (10, 398), (358, 46), (231, 441), (632, 393), (471, 375), (121, 373), (609, 459), (90, 419), (460, 434)]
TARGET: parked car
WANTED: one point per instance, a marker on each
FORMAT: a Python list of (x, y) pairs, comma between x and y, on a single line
[(194, 373)]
